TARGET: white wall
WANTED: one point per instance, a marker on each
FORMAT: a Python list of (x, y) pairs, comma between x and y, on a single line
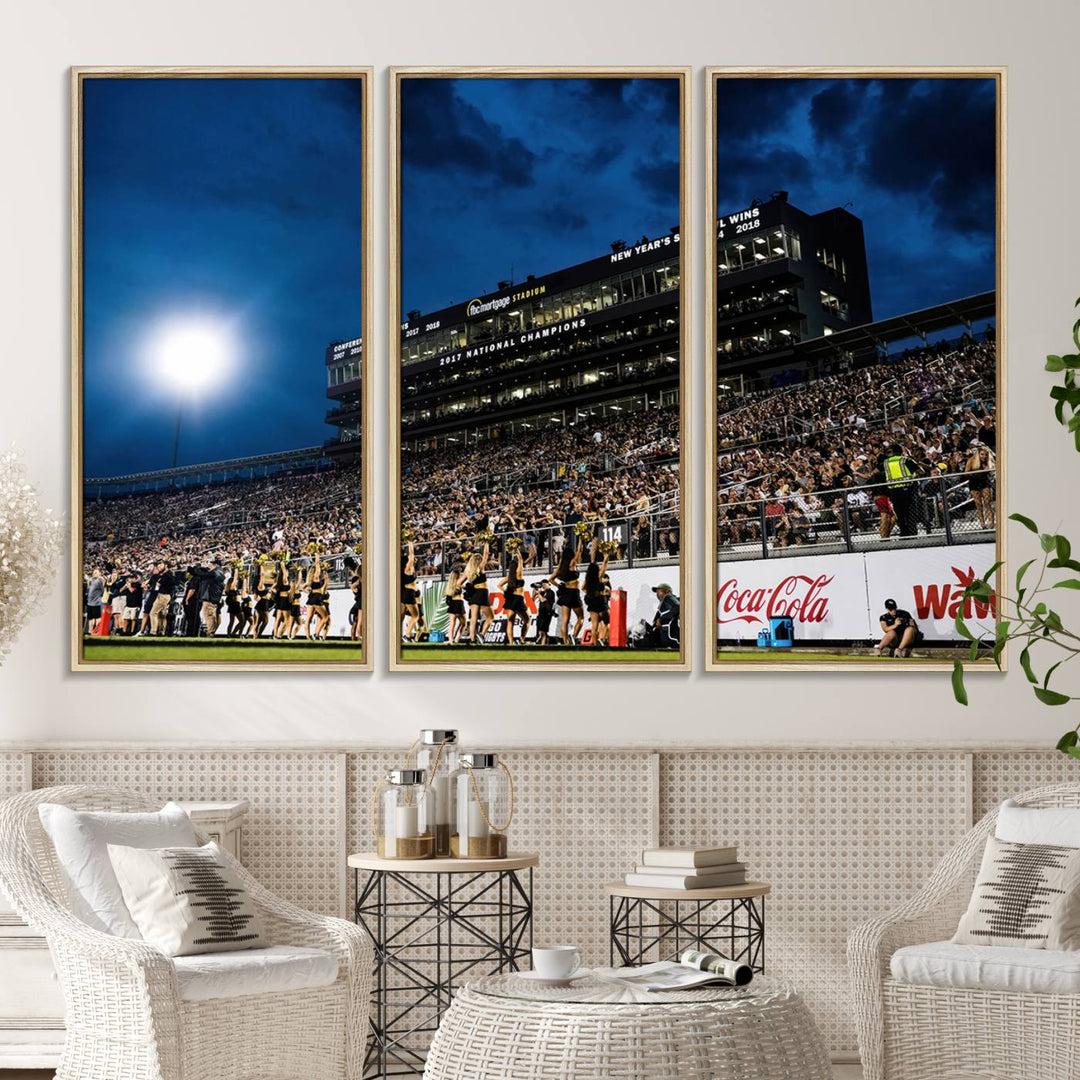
[(41, 700)]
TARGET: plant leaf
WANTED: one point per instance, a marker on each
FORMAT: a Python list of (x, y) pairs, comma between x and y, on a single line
[(999, 648), (1051, 697), (1025, 521), (1064, 548), (1025, 663), (1070, 738), (1074, 751), (1068, 583), (961, 629), (1022, 571), (1050, 671), (959, 692), (1048, 541)]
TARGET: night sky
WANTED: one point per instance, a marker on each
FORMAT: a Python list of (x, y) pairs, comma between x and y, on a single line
[(231, 200), (509, 177), (914, 157)]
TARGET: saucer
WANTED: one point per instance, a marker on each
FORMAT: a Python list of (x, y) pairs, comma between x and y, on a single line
[(545, 980)]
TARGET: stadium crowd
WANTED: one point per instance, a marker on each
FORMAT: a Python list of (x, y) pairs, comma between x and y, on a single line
[(178, 534), (789, 455), (538, 485)]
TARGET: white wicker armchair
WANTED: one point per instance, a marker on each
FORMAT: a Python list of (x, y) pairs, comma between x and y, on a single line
[(124, 1016), (909, 1032)]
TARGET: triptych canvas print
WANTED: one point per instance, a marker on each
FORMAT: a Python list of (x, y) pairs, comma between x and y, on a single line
[(541, 367)]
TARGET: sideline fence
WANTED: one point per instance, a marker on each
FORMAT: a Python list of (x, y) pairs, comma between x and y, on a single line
[(947, 508)]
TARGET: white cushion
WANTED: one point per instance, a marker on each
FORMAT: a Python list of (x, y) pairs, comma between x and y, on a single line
[(988, 967), (1057, 825), (81, 838), (253, 971), (187, 900)]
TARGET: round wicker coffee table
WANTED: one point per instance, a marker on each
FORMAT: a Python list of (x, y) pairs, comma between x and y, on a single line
[(504, 1027)]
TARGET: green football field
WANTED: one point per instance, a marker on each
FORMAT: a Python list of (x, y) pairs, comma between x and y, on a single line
[(158, 651), (539, 654)]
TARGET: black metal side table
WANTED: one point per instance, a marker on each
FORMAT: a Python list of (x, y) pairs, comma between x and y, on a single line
[(433, 922), (659, 924)]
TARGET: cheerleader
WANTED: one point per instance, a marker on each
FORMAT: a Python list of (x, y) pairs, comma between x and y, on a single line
[(318, 601), (455, 606), (513, 586), (477, 596), (410, 594), (295, 589), (262, 575), (282, 593), (594, 596), (234, 605), (247, 615), (356, 587), (568, 596), (605, 618)]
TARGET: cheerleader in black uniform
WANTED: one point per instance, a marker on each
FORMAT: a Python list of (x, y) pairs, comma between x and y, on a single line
[(318, 601), (545, 610), (478, 600), (262, 583), (356, 587), (513, 587), (410, 594), (294, 610), (233, 605), (455, 606), (594, 596), (568, 597), (282, 592), (605, 618)]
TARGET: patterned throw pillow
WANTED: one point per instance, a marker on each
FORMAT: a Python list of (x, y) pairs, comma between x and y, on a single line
[(1026, 895), (186, 900)]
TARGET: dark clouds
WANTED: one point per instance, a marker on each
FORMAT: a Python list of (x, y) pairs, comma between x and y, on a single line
[(234, 199), (505, 177), (448, 136), (914, 157)]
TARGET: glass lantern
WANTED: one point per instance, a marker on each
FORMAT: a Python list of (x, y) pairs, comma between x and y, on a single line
[(437, 754), (485, 807), (405, 816)]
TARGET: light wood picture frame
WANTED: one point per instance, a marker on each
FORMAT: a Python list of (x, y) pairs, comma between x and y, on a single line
[(221, 292), (507, 110), (841, 137)]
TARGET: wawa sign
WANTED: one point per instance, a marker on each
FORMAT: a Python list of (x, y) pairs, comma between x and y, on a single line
[(841, 597)]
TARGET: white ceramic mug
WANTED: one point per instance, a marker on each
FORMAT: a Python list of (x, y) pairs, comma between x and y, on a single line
[(556, 961)]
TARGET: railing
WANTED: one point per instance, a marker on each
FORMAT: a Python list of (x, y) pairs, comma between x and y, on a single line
[(942, 509), (648, 537)]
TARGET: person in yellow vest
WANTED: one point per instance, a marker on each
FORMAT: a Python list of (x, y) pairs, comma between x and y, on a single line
[(901, 473)]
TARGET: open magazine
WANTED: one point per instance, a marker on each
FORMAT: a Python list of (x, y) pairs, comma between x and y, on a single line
[(693, 969)]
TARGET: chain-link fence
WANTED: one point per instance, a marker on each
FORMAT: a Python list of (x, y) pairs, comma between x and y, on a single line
[(946, 508)]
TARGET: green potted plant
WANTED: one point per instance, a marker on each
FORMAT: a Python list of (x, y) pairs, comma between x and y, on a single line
[(1026, 615)]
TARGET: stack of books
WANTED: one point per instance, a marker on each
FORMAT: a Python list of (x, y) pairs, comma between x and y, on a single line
[(694, 867)]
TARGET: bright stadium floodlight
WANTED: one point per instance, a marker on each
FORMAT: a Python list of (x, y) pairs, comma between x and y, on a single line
[(190, 355)]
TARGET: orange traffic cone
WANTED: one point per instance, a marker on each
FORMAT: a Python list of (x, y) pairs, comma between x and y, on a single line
[(105, 621)]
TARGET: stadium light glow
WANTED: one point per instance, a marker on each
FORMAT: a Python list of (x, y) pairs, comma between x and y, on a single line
[(192, 355)]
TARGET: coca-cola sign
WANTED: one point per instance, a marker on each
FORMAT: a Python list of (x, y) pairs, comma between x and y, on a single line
[(841, 597), (801, 597)]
